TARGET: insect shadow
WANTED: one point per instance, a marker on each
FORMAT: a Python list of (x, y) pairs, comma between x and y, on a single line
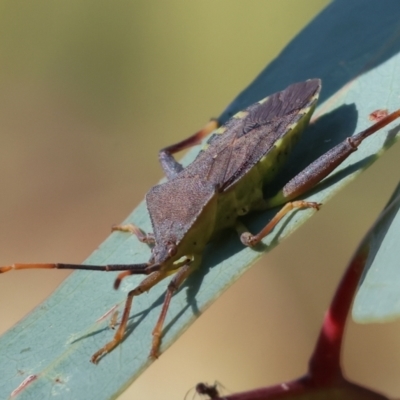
[(134, 321)]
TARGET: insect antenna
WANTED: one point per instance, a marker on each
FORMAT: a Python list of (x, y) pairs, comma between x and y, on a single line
[(128, 269)]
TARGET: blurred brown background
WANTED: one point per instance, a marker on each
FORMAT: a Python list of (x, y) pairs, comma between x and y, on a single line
[(89, 92)]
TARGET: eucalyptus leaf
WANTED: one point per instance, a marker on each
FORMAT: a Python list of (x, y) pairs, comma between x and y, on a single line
[(378, 298), (352, 46)]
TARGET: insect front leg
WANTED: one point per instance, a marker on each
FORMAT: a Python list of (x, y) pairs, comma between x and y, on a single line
[(144, 286), (251, 240), (173, 286), (172, 167), (143, 237)]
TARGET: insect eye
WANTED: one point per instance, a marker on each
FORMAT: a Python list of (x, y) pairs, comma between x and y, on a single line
[(172, 250)]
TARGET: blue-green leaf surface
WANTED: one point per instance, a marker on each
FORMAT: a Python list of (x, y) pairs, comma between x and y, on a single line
[(378, 298), (353, 47)]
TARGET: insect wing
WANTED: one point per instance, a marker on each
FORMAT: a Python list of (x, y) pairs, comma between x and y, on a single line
[(268, 121), (239, 144)]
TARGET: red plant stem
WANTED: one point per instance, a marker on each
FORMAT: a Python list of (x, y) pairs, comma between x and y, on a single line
[(324, 366)]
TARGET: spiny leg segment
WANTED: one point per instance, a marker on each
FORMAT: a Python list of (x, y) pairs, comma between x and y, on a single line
[(324, 165)]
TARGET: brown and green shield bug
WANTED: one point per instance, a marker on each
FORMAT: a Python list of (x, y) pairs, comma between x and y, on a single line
[(223, 183)]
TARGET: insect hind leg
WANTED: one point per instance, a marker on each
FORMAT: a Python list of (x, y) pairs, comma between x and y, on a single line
[(325, 164), (168, 163)]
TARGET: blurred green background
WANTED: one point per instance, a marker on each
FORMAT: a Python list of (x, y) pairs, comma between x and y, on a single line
[(89, 92)]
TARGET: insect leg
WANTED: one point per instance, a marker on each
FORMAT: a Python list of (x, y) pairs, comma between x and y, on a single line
[(173, 286), (144, 286), (251, 240), (147, 238), (325, 164), (170, 166)]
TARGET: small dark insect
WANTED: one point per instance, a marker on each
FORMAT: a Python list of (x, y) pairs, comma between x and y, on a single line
[(204, 389), (223, 183), (377, 115), (209, 390)]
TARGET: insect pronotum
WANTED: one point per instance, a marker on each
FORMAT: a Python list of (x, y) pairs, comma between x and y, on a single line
[(223, 183)]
